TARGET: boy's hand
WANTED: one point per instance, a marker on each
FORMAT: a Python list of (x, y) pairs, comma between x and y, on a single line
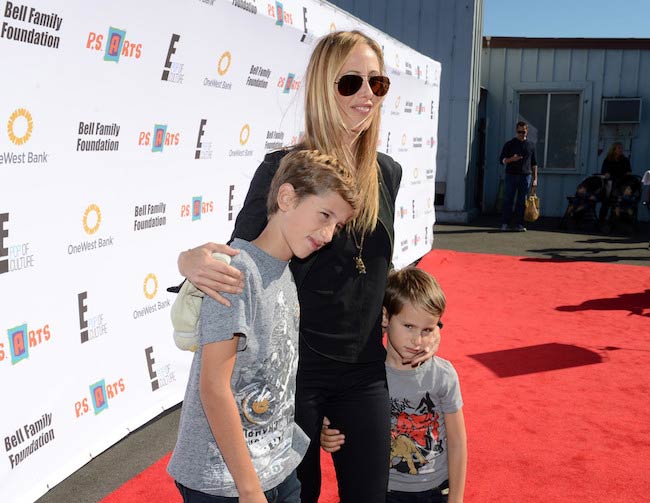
[(428, 351), (331, 440)]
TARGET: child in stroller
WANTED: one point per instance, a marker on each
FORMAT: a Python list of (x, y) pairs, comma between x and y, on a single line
[(625, 202), (582, 205)]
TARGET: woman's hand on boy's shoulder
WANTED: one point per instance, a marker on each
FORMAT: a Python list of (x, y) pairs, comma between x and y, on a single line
[(213, 277)]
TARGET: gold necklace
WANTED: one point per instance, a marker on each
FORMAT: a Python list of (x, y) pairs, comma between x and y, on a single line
[(358, 261)]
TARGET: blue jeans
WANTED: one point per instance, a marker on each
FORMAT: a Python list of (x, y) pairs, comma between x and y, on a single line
[(434, 495), (287, 492), (515, 184)]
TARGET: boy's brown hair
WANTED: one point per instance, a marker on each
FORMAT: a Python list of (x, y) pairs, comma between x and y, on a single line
[(312, 173), (415, 286)]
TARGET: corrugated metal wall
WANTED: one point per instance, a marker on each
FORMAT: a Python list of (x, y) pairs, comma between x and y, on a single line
[(602, 72), (449, 31)]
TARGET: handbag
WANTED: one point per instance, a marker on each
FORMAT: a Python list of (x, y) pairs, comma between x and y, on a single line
[(531, 213)]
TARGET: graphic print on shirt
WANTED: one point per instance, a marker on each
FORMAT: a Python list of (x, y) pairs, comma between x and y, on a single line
[(415, 436), (266, 401)]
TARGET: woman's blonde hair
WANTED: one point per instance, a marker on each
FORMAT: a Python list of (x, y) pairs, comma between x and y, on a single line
[(325, 129), (611, 153)]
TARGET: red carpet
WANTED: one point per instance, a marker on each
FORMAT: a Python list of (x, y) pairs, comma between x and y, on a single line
[(553, 359)]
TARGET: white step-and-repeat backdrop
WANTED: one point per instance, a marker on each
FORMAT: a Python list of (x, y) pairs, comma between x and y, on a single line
[(130, 131)]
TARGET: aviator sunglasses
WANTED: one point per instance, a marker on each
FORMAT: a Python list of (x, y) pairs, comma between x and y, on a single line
[(350, 84)]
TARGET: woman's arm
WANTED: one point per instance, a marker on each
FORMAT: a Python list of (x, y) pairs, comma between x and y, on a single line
[(218, 361), (456, 455), (209, 275)]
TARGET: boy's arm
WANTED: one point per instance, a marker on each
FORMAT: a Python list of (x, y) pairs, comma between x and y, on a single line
[(331, 440), (218, 361), (456, 455)]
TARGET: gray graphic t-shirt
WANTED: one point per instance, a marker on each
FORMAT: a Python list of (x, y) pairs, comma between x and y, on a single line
[(263, 380), (419, 399)]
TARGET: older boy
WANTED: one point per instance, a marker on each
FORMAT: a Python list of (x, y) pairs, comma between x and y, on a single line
[(428, 455), (237, 437)]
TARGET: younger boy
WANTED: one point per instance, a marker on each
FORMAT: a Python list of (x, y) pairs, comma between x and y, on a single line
[(237, 437), (428, 454)]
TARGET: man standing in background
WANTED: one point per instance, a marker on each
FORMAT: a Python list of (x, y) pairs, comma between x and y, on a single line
[(518, 156)]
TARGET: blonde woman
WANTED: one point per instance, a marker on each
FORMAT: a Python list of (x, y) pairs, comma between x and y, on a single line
[(341, 372)]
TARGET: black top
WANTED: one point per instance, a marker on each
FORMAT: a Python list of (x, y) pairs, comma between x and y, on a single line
[(340, 309), (616, 169), (526, 150)]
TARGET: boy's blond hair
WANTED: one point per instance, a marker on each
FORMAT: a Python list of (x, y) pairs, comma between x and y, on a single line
[(415, 286), (312, 173)]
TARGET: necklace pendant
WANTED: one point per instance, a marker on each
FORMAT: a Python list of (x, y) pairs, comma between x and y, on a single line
[(361, 267)]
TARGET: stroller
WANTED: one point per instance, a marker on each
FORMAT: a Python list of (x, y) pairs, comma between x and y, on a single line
[(624, 204), (581, 206)]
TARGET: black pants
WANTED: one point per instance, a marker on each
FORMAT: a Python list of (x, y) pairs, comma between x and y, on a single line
[(355, 399)]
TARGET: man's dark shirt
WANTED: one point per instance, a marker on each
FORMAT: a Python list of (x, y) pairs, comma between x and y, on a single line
[(526, 150)]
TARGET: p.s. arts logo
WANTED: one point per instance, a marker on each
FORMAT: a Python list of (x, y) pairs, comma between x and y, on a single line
[(173, 70), (160, 374), (244, 137), (203, 148), (198, 208), (222, 67), (150, 288), (114, 44), (247, 5), (420, 108), (280, 15), (22, 339), (93, 326), (288, 83), (95, 136), (13, 257), (148, 216), (416, 240), (402, 212), (29, 439), (91, 222), (159, 138), (431, 142), (258, 76), (20, 127), (31, 16), (100, 393)]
